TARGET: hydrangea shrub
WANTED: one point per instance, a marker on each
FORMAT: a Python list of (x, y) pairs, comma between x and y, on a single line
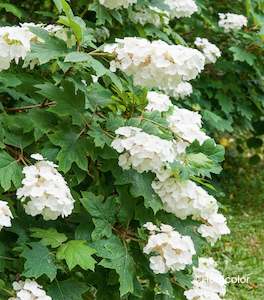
[(106, 160)]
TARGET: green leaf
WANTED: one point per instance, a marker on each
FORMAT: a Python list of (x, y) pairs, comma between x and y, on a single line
[(88, 61), (69, 289), (58, 4), (199, 160), (242, 55), (43, 121), (102, 14), (198, 164), (216, 121), (103, 214), (75, 253), (12, 9), (49, 237), (77, 57), (98, 67), (69, 102), (99, 96), (74, 148), (39, 261), (164, 286), (140, 187), (50, 48), (209, 148), (185, 280), (97, 208), (225, 102), (102, 229), (75, 23), (99, 137), (10, 171), (115, 256)]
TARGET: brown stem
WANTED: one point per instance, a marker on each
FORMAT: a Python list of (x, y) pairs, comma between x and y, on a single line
[(19, 156), (40, 105)]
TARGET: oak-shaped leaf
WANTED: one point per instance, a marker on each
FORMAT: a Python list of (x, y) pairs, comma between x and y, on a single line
[(39, 261), (77, 253)]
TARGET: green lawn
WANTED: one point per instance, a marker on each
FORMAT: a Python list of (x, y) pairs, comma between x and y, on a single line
[(242, 252)]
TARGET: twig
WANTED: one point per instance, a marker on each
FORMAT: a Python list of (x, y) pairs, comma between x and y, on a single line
[(22, 108)]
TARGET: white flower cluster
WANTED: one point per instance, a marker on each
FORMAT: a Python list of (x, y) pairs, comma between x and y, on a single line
[(208, 282), (231, 22), (29, 290), (156, 64), (141, 151), (158, 102), (48, 192), (14, 45), (209, 50), (181, 8), (58, 31), (116, 4), (15, 41), (5, 215), (182, 90), (185, 199), (51, 28), (215, 228), (173, 250), (144, 152), (186, 125), (150, 15)]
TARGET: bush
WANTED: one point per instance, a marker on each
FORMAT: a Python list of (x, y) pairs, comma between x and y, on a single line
[(105, 168)]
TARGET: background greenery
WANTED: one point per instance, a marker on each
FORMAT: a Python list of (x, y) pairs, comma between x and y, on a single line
[(242, 253), (229, 94)]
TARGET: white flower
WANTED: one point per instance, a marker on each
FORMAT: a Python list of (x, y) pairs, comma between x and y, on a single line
[(141, 151), (215, 228), (149, 15), (158, 102), (14, 45), (53, 29), (151, 227), (15, 41), (231, 22), (181, 8), (47, 190), (208, 283), (209, 50), (186, 125), (185, 198), (116, 4), (37, 156), (182, 90), (173, 251), (156, 64), (5, 215), (29, 290)]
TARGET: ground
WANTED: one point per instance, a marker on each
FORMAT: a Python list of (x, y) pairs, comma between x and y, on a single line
[(242, 252)]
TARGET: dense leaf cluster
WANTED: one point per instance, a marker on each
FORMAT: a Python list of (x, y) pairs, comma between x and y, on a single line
[(58, 109)]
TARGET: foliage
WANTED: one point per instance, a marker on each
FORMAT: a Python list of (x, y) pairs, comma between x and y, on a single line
[(65, 103)]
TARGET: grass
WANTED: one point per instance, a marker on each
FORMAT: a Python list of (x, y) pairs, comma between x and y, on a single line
[(242, 252)]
